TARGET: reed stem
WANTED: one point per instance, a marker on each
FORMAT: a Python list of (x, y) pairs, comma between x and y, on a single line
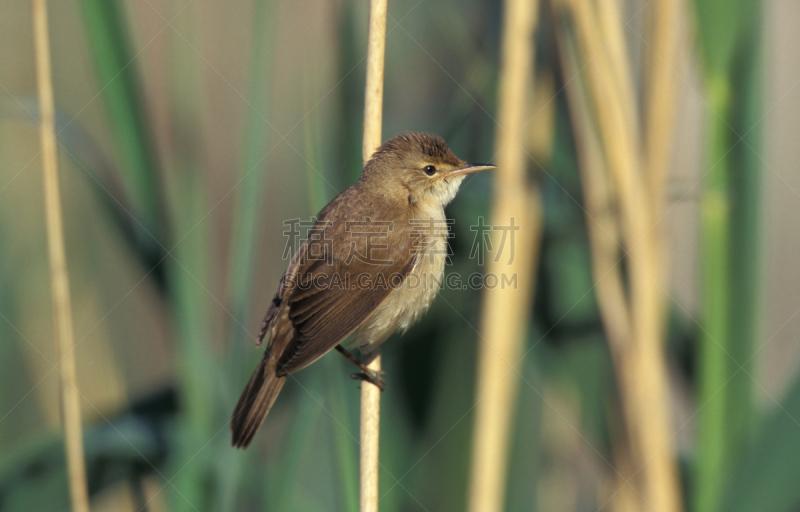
[(370, 437), (506, 309), (373, 119), (640, 361), (59, 276), (714, 345)]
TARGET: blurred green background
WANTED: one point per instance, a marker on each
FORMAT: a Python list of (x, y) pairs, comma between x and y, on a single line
[(191, 129)]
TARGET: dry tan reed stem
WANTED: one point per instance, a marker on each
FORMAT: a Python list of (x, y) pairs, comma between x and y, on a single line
[(660, 94), (598, 200), (59, 278), (505, 309), (616, 51), (373, 118), (641, 365), (370, 438), (605, 250), (373, 101)]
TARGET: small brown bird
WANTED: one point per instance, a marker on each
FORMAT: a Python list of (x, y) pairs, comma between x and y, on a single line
[(372, 264)]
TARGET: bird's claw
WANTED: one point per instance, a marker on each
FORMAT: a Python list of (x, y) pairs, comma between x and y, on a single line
[(372, 377)]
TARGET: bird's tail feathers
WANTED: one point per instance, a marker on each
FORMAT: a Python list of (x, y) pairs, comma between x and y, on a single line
[(255, 402)]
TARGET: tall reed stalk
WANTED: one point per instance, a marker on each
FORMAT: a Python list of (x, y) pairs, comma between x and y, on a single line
[(116, 71), (730, 43), (729, 38), (59, 275), (715, 222), (190, 265), (373, 119), (244, 229), (660, 106), (635, 336), (504, 317), (604, 243)]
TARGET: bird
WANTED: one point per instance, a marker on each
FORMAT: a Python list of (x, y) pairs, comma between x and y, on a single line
[(371, 265)]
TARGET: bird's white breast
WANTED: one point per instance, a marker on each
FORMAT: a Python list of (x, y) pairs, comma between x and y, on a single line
[(406, 303)]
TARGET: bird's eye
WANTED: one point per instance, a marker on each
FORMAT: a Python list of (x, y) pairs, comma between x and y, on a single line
[(429, 170)]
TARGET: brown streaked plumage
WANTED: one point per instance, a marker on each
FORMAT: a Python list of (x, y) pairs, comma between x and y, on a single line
[(352, 275)]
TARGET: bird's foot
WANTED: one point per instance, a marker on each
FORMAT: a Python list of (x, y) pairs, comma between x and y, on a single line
[(372, 377)]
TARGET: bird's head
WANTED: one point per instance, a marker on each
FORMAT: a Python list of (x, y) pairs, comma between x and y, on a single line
[(419, 168)]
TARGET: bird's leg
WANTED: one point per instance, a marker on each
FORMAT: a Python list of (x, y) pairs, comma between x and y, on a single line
[(366, 374)]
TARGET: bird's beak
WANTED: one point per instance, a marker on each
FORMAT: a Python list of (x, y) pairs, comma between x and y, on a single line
[(470, 168)]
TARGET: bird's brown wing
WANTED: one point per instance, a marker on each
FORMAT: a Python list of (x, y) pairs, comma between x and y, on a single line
[(280, 294), (332, 293)]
